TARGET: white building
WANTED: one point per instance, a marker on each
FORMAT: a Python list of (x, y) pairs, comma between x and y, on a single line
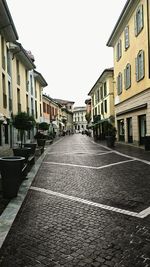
[(79, 120)]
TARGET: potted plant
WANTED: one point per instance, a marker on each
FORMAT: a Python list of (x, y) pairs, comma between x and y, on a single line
[(40, 136), (23, 122), (110, 134)]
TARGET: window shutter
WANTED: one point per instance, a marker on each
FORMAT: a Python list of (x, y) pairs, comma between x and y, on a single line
[(125, 80), (142, 64), (120, 49), (129, 76), (135, 25), (136, 68), (117, 85), (120, 82), (141, 21), (126, 37)]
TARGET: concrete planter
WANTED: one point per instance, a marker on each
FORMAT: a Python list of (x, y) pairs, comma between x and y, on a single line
[(11, 172)]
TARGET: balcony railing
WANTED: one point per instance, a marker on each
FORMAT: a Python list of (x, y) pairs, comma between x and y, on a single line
[(4, 100)]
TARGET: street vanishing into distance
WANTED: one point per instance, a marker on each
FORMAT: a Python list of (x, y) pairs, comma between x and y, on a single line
[(88, 205)]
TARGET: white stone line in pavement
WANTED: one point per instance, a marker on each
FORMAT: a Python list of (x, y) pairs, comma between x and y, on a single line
[(69, 164), (122, 154), (84, 201), (144, 213), (79, 152), (88, 167)]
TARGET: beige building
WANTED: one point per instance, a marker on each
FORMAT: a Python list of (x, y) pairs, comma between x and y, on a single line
[(8, 34), (102, 103), (130, 40)]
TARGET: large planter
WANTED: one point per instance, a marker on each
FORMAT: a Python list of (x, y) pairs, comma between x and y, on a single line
[(11, 172), (110, 141), (41, 142), (22, 152), (32, 146)]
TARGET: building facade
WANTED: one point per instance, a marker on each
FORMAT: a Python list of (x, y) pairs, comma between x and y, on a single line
[(79, 119), (102, 103), (130, 40)]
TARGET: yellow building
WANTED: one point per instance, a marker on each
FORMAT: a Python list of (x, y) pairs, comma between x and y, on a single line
[(102, 103), (8, 34), (130, 40)]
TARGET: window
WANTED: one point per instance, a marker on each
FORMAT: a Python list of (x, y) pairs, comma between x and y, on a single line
[(4, 91), (102, 109), (31, 84), (139, 62), (18, 72), (105, 106), (127, 76), (8, 62), (139, 21), (97, 96), (3, 52), (105, 89), (126, 37), (101, 90), (44, 107), (119, 83), (119, 50)]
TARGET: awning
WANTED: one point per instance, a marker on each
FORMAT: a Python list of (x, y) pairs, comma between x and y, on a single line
[(98, 123), (54, 124)]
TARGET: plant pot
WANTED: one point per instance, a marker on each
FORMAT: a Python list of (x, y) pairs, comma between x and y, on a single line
[(110, 141), (32, 146), (41, 142), (22, 152), (11, 171)]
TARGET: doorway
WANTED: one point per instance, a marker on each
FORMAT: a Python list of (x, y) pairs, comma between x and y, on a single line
[(129, 130), (142, 129)]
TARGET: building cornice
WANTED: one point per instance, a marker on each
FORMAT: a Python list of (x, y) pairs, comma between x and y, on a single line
[(105, 72), (7, 27), (38, 76), (123, 18)]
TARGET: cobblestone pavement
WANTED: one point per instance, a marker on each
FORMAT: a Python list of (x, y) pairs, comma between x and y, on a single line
[(83, 209)]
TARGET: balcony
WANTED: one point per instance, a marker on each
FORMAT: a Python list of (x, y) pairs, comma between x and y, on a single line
[(4, 100)]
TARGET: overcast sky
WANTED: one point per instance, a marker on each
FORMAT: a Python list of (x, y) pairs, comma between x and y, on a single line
[(68, 40)]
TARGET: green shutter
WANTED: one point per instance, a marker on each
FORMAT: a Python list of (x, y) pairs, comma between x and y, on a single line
[(136, 69), (142, 64), (135, 24), (125, 80)]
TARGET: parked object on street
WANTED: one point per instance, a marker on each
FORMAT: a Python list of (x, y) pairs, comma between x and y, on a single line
[(11, 171)]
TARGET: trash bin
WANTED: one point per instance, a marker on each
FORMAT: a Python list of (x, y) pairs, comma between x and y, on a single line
[(11, 170), (147, 142)]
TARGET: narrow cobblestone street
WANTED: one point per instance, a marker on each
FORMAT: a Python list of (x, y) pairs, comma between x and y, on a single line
[(88, 206)]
